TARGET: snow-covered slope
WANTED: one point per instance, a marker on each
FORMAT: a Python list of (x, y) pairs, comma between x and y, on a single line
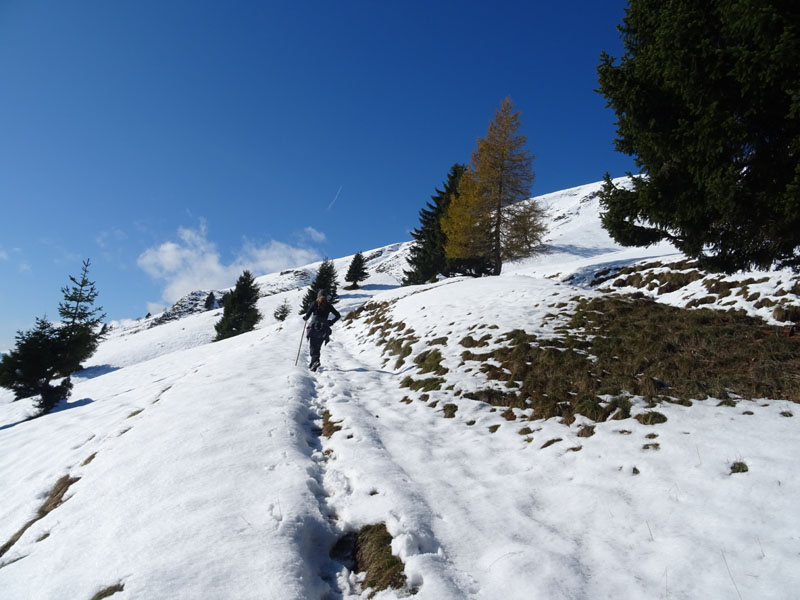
[(201, 470)]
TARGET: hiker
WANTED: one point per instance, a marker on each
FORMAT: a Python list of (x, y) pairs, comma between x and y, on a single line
[(319, 327)]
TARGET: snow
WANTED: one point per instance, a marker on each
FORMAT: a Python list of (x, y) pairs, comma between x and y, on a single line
[(210, 479)]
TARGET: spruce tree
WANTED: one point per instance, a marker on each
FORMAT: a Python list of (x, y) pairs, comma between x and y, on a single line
[(211, 302), (707, 103), (326, 281), (357, 271), (38, 358), (240, 314), (282, 311), (81, 328), (427, 256), (491, 220)]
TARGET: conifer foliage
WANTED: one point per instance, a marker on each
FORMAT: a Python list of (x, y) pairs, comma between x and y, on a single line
[(240, 314), (427, 257), (706, 97), (491, 220), (357, 271), (36, 360), (48, 353), (282, 311), (325, 281), (81, 322)]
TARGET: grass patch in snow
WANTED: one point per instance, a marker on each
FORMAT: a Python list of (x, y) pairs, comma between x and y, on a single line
[(109, 591), (739, 467), (450, 410), (426, 385), (55, 498), (617, 347), (430, 361), (329, 427), (651, 417), (370, 551), (470, 342)]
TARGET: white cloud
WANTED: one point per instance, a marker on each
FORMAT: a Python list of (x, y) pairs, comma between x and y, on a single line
[(314, 235), (193, 262), (155, 307), (3, 255)]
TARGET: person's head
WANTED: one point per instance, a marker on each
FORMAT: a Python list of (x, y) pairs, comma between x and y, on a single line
[(321, 298)]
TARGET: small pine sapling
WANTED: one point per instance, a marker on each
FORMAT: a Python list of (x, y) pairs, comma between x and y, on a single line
[(282, 311), (356, 272)]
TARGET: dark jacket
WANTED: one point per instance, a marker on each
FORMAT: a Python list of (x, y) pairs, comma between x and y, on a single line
[(319, 325)]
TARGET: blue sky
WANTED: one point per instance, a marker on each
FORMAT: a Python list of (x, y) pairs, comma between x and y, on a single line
[(175, 143)]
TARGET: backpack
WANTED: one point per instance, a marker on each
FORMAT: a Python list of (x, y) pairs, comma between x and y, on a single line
[(317, 329)]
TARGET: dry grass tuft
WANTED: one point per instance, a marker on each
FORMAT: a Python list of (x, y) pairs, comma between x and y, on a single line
[(55, 498), (430, 361), (426, 385), (373, 555), (651, 417), (109, 591), (551, 442), (450, 410), (329, 427), (739, 467)]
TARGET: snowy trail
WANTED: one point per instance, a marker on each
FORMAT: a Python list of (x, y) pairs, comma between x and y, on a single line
[(438, 496), (365, 483)]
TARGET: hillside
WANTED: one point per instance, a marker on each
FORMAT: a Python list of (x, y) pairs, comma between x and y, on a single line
[(565, 430)]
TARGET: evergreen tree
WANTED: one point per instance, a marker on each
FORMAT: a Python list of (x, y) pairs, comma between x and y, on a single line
[(706, 97), (427, 256), (37, 359), (491, 220), (240, 314), (47, 353), (357, 271), (81, 328), (211, 301), (282, 311), (325, 280)]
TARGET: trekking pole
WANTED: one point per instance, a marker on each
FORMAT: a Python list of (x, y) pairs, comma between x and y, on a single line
[(301, 344)]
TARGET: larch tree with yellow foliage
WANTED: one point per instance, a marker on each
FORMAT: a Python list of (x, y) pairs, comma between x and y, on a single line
[(492, 219)]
